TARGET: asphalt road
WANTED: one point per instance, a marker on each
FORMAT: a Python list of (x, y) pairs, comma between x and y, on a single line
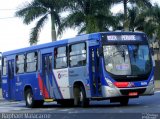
[(146, 107)]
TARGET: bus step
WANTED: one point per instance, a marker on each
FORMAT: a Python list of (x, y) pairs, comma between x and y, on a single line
[(49, 100)]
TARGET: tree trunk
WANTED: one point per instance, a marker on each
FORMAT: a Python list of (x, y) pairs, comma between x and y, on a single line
[(91, 25), (53, 30), (125, 24)]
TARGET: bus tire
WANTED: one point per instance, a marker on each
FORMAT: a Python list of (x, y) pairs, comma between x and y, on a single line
[(80, 97), (124, 101), (30, 103)]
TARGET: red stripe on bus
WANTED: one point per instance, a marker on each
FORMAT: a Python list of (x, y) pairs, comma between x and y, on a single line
[(42, 87)]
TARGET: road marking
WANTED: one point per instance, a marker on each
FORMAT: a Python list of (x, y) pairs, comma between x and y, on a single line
[(9, 103), (157, 92), (64, 110)]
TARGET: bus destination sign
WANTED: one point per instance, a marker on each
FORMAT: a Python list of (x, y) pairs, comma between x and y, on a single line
[(124, 38)]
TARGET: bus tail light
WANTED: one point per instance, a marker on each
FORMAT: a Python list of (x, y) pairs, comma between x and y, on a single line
[(121, 84)]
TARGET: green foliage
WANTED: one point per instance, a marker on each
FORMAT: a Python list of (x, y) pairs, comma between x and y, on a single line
[(40, 10), (153, 18), (89, 15), (131, 13)]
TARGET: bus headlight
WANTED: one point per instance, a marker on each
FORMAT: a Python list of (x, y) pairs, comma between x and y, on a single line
[(109, 83)]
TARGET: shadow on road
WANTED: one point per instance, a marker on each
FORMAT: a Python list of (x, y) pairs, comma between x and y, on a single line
[(91, 106)]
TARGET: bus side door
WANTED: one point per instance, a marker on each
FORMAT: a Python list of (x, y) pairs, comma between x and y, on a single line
[(11, 80), (94, 72), (47, 75)]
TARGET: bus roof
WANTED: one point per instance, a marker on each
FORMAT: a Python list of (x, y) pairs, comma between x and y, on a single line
[(82, 37)]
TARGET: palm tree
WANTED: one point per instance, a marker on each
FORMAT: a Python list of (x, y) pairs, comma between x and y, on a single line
[(89, 16), (41, 10), (154, 18), (139, 3), (152, 26), (146, 20), (136, 18)]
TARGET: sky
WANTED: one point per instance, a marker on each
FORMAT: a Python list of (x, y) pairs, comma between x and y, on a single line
[(14, 34)]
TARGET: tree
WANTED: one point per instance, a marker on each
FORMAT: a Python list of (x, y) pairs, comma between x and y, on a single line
[(136, 18), (41, 10), (147, 20), (89, 15), (153, 17), (139, 3)]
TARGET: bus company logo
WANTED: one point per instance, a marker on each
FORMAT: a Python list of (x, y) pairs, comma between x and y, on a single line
[(131, 84), (59, 75)]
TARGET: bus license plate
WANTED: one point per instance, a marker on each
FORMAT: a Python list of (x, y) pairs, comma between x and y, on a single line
[(133, 93)]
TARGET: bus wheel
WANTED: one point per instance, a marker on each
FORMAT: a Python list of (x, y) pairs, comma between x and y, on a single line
[(29, 98), (80, 97), (124, 101)]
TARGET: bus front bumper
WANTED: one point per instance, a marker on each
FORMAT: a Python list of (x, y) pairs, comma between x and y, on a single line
[(108, 91)]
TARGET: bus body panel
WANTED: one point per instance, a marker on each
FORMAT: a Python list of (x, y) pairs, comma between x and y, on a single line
[(29, 79), (48, 82), (62, 81), (79, 74), (5, 88)]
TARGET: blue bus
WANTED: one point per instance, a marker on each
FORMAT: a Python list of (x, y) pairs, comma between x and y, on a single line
[(98, 66)]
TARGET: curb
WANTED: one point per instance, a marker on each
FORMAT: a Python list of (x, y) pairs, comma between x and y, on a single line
[(157, 89)]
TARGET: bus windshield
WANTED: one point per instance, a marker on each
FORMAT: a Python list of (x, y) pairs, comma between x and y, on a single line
[(127, 59)]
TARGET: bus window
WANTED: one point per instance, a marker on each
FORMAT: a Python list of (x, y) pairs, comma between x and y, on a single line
[(20, 60), (60, 57), (32, 59), (11, 69), (4, 67), (77, 55), (50, 63)]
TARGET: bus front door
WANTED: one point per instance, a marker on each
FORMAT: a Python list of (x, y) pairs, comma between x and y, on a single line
[(11, 80), (47, 75), (95, 83)]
